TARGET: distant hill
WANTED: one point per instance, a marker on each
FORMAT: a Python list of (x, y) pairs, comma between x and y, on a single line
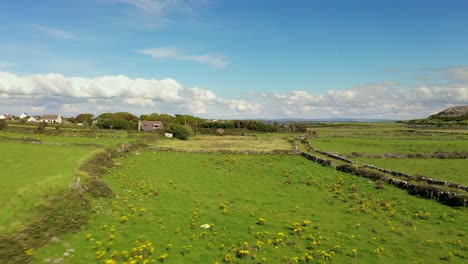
[(456, 113)]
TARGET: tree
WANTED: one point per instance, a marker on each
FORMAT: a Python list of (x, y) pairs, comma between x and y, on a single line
[(180, 131), (84, 118), (120, 120), (41, 127)]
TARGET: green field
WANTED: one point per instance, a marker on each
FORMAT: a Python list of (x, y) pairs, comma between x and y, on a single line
[(382, 138), (262, 209), (454, 170), (98, 138), (380, 146), (235, 143), (31, 171)]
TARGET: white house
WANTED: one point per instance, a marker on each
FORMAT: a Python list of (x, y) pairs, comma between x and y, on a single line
[(6, 117), (23, 115), (52, 119), (34, 119)]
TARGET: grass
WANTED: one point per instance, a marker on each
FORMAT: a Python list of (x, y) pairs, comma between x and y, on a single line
[(28, 173), (346, 145), (381, 138), (453, 170), (236, 143), (262, 209), (99, 139)]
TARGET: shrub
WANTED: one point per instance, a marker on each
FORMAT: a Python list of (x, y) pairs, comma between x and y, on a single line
[(3, 124), (41, 127), (98, 188), (96, 166), (370, 173), (348, 168), (65, 212), (180, 131)]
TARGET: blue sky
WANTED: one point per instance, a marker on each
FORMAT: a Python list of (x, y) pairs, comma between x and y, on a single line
[(234, 59)]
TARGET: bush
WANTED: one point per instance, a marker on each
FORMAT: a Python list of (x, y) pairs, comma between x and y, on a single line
[(64, 212), (41, 127), (180, 131), (98, 188), (96, 166), (3, 124)]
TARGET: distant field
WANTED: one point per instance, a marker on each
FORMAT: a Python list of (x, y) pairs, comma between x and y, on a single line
[(376, 146), (381, 138), (384, 130), (29, 171), (104, 138), (454, 170), (262, 209), (206, 142)]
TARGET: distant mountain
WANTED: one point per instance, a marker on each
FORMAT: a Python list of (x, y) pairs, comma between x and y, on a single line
[(456, 113)]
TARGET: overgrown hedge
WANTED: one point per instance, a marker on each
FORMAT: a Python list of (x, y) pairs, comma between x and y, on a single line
[(64, 213)]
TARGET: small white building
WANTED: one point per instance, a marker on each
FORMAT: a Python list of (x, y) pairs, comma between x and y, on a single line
[(23, 115), (52, 119), (6, 117), (34, 119)]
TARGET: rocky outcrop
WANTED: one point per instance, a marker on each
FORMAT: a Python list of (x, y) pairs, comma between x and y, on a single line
[(456, 112)]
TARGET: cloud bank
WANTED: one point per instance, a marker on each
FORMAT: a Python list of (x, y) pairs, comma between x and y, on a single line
[(41, 93)]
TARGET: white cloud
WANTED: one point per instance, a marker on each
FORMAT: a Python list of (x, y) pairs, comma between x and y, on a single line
[(148, 6), (244, 106), (201, 94), (141, 102), (161, 53), (70, 108), (38, 109), (55, 93), (196, 106), (162, 7), (377, 100), (213, 60), (100, 87), (56, 33)]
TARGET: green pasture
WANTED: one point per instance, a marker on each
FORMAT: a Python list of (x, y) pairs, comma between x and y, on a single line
[(29, 172), (385, 130), (261, 209), (454, 170), (346, 146), (98, 138), (264, 142)]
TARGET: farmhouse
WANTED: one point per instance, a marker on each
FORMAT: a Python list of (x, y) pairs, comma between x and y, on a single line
[(150, 126), (34, 119), (6, 117), (51, 119)]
